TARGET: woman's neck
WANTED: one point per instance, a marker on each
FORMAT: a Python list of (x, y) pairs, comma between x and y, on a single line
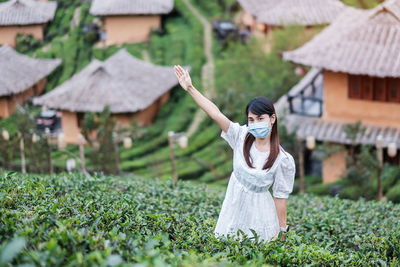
[(263, 144)]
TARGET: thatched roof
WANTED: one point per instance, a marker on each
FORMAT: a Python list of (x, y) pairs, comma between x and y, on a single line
[(254, 7), (286, 12), (123, 82), (19, 72), (365, 42), (25, 12), (130, 7), (333, 131)]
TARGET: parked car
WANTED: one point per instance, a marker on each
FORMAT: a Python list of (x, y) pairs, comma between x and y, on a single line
[(225, 28), (48, 119), (91, 33)]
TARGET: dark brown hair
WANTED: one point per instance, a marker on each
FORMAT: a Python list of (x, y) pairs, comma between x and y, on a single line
[(262, 105)]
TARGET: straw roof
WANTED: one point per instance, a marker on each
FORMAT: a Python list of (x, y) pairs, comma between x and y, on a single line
[(254, 7), (20, 72), (25, 12), (130, 7), (286, 12), (123, 82), (333, 131), (364, 42), (302, 12)]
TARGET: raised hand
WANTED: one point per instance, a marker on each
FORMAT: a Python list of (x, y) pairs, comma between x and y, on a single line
[(183, 77)]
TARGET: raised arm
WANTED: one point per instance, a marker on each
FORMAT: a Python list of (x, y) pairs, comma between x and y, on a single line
[(204, 103)]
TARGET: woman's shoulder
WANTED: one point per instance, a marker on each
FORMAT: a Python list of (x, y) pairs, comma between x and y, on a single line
[(287, 160), (240, 128)]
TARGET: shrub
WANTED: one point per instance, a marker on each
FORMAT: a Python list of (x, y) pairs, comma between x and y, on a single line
[(319, 189), (351, 192), (394, 193), (105, 220)]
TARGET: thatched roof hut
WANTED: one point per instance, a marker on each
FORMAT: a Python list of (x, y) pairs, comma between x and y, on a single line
[(20, 72), (123, 82), (129, 7), (255, 7), (287, 12), (26, 12), (359, 58), (359, 42)]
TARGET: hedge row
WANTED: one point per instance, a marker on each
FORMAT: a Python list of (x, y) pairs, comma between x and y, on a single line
[(78, 220)]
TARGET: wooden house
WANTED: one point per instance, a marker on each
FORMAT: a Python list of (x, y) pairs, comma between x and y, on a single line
[(26, 17), (355, 77), (132, 88), (262, 16), (127, 21), (21, 77)]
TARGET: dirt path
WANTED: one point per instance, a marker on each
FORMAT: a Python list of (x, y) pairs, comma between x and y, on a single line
[(207, 71)]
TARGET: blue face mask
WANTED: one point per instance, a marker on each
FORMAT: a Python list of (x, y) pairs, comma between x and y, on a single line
[(259, 129)]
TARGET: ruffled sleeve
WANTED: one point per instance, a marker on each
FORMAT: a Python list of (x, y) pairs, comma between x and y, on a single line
[(284, 176), (233, 134)]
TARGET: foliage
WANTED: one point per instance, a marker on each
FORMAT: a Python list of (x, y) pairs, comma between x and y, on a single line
[(245, 71), (394, 193), (25, 42), (221, 9), (36, 153), (104, 154), (292, 36), (365, 4), (105, 220)]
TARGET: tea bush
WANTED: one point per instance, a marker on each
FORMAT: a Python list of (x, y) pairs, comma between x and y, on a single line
[(78, 220)]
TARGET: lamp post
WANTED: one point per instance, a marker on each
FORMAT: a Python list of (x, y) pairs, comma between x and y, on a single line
[(127, 142), (183, 142), (310, 145), (379, 149), (61, 141), (6, 135), (22, 151), (301, 164), (47, 131), (392, 150), (116, 152), (81, 142)]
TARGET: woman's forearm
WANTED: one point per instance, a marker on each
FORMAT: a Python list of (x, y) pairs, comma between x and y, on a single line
[(280, 204), (204, 103)]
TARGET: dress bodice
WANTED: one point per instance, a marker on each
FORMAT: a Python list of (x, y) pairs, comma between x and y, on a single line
[(254, 179)]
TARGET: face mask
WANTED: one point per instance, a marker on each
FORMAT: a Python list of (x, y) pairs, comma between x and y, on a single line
[(259, 129)]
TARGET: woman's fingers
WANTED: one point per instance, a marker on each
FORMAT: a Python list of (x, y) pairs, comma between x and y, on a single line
[(180, 70), (176, 71)]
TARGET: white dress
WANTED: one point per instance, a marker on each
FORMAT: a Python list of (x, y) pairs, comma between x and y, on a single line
[(248, 204)]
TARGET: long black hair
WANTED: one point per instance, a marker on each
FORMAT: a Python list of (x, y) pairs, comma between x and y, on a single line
[(262, 105)]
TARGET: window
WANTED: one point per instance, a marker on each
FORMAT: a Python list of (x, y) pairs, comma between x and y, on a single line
[(393, 88), (374, 88), (80, 116)]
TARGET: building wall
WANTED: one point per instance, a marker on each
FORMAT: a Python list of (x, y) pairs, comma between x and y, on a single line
[(69, 120), (69, 125), (338, 106), (129, 29), (8, 103), (333, 167), (4, 109), (146, 116), (8, 33)]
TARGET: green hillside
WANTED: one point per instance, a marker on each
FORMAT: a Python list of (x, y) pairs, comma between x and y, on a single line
[(181, 42)]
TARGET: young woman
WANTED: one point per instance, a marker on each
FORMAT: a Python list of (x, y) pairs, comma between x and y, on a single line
[(258, 162)]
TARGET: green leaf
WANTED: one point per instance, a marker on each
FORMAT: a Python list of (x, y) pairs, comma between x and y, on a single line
[(12, 249)]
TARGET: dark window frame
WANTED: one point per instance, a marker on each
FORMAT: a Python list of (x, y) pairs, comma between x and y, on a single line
[(368, 88)]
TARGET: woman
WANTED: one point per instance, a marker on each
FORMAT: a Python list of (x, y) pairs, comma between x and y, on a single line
[(258, 162)]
